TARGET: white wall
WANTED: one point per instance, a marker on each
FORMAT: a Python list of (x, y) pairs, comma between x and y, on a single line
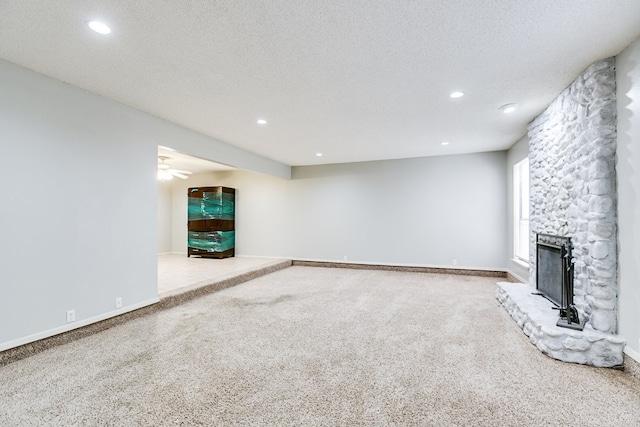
[(519, 151), (261, 214), (628, 176), (425, 211), (165, 216), (78, 219)]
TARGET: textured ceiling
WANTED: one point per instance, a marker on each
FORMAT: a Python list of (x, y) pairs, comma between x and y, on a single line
[(356, 80)]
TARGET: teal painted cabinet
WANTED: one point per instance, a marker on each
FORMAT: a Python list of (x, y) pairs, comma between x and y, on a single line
[(211, 222)]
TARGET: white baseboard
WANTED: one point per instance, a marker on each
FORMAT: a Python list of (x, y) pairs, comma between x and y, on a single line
[(518, 276), (632, 353), (75, 325), (389, 264)]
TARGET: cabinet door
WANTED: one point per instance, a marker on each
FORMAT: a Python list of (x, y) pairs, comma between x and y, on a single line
[(211, 203)]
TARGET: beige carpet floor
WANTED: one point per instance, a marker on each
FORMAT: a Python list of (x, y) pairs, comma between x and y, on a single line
[(315, 346)]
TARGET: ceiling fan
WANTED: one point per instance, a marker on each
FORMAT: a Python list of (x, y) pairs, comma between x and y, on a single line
[(165, 173)]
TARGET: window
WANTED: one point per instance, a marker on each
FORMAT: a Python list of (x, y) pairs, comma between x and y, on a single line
[(521, 211)]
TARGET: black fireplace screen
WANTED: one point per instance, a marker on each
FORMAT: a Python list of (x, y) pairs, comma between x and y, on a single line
[(554, 270), (554, 277)]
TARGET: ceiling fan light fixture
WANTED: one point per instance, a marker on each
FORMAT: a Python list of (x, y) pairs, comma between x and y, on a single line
[(164, 175)]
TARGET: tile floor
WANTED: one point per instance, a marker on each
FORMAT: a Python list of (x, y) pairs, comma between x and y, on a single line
[(177, 272)]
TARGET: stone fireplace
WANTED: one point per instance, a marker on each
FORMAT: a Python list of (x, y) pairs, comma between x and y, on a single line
[(572, 148)]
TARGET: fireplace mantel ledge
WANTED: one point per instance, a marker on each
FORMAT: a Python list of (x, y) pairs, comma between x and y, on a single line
[(535, 315)]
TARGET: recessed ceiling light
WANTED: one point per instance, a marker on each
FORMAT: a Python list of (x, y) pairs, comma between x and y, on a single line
[(261, 121), (508, 108), (99, 27), (457, 94), (444, 143), (318, 154)]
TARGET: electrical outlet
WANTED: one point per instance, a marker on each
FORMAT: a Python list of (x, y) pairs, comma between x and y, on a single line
[(345, 257), (119, 302), (455, 262), (71, 316)]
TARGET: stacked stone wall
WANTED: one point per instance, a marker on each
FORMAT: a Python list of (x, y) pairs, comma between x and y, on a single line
[(572, 148)]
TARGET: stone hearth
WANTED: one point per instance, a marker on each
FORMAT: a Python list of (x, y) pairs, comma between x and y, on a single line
[(537, 318)]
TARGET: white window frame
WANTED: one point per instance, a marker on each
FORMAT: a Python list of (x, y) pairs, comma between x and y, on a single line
[(521, 211)]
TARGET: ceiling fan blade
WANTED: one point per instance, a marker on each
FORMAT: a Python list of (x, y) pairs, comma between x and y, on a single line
[(178, 174), (179, 171)]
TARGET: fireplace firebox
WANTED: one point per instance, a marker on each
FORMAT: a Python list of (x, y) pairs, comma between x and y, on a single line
[(554, 277)]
